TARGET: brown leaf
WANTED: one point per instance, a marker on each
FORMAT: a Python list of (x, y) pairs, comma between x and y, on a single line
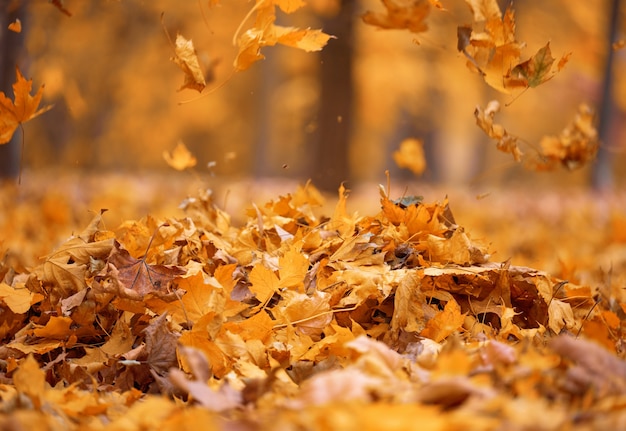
[(141, 277), (594, 366), (160, 348)]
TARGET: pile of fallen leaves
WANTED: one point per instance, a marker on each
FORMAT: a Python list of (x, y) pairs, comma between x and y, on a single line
[(298, 321)]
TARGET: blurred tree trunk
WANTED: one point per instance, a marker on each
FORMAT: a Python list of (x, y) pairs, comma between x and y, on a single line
[(330, 161), (602, 175), (11, 49)]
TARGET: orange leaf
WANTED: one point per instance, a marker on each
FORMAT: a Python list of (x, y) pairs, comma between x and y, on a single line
[(22, 110), (16, 26), (30, 380), (444, 323), (180, 158), (411, 156), (401, 14)]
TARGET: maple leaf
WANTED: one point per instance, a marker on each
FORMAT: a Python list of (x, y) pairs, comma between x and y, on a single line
[(16, 26), (401, 14), (576, 145), (505, 142), (264, 283), (532, 72), (444, 323), (411, 156), (140, 278), (180, 158), (495, 52), (13, 114), (266, 33), (160, 348), (187, 59)]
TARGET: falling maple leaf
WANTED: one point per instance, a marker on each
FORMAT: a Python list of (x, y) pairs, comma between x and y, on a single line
[(266, 33), (534, 71), (492, 49), (13, 114), (401, 14), (574, 147), (506, 142), (180, 158), (16, 26), (411, 156), (187, 59)]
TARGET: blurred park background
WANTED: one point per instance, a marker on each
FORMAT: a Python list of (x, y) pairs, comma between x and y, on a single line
[(332, 116)]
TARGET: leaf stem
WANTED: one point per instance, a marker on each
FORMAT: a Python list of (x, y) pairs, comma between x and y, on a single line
[(245, 19)]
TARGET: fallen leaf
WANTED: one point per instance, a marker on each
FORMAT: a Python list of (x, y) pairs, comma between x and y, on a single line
[(141, 278), (30, 380), (444, 323)]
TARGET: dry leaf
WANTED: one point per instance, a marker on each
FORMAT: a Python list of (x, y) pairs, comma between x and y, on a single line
[(411, 156), (401, 14), (266, 33), (187, 59), (24, 108), (180, 158), (16, 26), (492, 49)]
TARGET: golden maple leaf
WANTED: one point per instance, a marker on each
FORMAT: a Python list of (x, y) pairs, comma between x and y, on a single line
[(187, 59), (491, 49), (266, 33), (23, 109)]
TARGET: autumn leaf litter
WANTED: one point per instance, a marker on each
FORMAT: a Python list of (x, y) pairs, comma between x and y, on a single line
[(296, 320)]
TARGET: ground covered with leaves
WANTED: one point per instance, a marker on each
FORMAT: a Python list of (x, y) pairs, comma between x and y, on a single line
[(288, 315)]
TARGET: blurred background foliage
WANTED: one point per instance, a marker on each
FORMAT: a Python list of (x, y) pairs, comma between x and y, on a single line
[(107, 71)]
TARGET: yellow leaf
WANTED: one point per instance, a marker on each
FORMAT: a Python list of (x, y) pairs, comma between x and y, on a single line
[(18, 300), (307, 40), (30, 380), (180, 158), (57, 328), (293, 268), (411, 156), (444, 323), (187, 59), (264, 283)]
